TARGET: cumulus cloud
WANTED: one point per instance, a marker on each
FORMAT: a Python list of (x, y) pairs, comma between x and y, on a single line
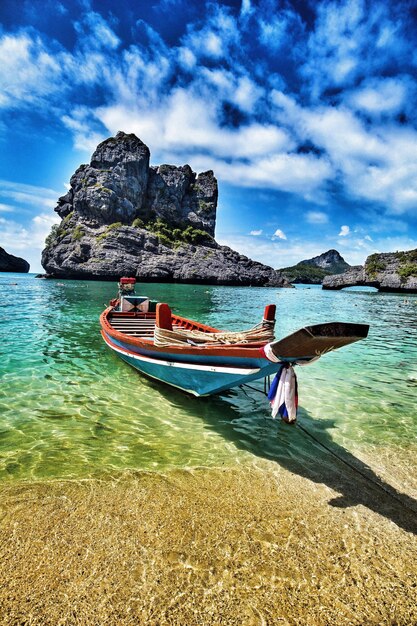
[(280, 234), (95, 32), (256, 233), (344, 231), (379, 96), (215, 39)]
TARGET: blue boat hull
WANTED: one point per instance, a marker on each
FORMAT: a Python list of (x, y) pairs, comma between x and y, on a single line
[(199, 379)]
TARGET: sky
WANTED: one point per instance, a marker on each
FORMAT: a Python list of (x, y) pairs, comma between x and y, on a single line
[(306, 111)]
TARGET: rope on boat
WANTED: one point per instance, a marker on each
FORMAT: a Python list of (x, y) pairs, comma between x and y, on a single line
[(180, 336)]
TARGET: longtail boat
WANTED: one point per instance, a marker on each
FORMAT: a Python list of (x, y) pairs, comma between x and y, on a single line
[(203, 360)]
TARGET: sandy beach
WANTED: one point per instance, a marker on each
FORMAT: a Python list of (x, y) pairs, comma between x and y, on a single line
[(244, 545)]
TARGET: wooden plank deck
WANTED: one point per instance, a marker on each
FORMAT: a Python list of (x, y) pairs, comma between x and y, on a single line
[(134, 326)]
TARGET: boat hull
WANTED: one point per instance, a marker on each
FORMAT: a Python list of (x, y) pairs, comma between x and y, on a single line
[(199, 379)]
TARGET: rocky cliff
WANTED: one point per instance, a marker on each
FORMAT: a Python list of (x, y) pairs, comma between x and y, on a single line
[(10, 263), (312, 271), (389, 271), (123, 216)]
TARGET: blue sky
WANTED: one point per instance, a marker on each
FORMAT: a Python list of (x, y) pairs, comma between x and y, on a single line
[(306, 112)]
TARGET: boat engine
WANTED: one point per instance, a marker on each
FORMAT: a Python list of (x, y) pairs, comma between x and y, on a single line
[(127, 286), (129, 302)]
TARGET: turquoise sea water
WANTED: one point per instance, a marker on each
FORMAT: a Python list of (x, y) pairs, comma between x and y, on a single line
[(70, 408)]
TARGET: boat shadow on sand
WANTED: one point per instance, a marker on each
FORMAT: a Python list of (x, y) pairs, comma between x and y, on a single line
[(306, 449)]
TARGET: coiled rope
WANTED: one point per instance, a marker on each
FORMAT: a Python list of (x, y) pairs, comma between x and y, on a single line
[(180, 336)]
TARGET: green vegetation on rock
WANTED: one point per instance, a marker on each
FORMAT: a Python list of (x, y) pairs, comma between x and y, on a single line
[(53, 236), (109, 230), (174, 237), (374, 265), (303, 273), (67, 217), (407, 270), (77, 233)]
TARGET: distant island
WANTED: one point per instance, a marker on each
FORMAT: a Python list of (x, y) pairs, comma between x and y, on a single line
[(122, 216), (387, 271), (312, 271), (10, 263)]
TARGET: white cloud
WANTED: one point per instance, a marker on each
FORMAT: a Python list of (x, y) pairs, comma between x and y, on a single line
[(316, 217), (277, 255), (274, 29), (186, 58), (376, 163), (297, 173), (344, 231), (27, 70), (285, 254), (27, 241), (356, 250), (256, 233), (95, 32), (246, 94), (6, 208), (280, 234), (352, 38), (28, 195), (214, 40), (380, 95), (82, 127), (246, 8)]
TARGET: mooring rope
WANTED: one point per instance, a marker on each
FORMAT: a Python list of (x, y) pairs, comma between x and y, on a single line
[(350, 465), (356, 469)]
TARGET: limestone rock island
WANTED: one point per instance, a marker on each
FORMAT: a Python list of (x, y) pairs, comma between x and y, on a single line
[(122, 216), (387, 271), (312, 271), (10, 263)]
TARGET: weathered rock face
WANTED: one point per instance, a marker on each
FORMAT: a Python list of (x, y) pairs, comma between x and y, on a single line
[(119, 186), (10, 263), (389, 271), (175, 194), (312, 271), (156, 223), (137, 252)]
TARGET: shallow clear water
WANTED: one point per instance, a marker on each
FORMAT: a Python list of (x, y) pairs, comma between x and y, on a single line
[(71, 408)]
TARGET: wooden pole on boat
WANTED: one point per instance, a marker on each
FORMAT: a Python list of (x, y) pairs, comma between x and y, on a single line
[(163, 316), (269, 313)]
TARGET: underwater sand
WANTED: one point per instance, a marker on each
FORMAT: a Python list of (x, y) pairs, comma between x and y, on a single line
[(124, 502), (244, 546)]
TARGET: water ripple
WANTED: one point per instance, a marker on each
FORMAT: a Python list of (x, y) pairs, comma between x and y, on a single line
[(70, 408)]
